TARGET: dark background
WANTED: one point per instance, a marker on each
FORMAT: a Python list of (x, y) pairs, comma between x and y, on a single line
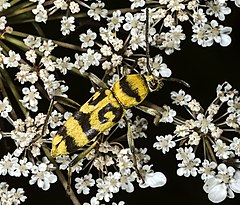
[(203, 69)]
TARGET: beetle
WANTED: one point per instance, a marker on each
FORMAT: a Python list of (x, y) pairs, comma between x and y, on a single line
[(102, 111)]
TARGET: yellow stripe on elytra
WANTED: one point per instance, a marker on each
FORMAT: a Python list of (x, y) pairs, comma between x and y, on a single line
[(58, 146), (94, 118), (74, 130)]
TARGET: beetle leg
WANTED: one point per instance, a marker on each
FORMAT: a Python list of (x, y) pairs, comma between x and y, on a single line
[(78, 158), (95, 80), (151, 109), (62, 100), (132, 149)]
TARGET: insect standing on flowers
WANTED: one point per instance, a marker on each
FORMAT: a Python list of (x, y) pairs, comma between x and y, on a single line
[(101, 112)]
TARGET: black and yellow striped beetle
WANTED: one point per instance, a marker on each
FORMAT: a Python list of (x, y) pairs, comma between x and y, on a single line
[(101, 112)]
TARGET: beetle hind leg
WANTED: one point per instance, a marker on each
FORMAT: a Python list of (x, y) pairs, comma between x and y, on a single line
[(132, 150), (79, 158)]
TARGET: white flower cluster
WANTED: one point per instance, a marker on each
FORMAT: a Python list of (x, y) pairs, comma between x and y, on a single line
[(111, 154), (41, 172), (25, 132), (117, 41), (12, 196), (210, 129)]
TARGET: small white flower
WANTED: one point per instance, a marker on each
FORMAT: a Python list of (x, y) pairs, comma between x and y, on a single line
[(8, 165), (180, 98), (126, 182), (31, 56), (223, 184), (42, 176), (233, 120), (219, 34), (159, 68), (115, 21), (74, 7), (188, 167), (116, 60), (138, 127), (88, 38), (205, 123), (225, 92), (164, 143), (199, 16), (167, 114), (91, 58), (64, 64), (3, 22), (4, 4), (67, 25), (124, 163), (185, 154), (82, 184), (12, 196), (40, 14), (32, 42), (55, 119), (137, 3), (207, 169), (23, 167), (47, 47), (222, 150), (30, 100), (235, 146), (213, 109), (132, 23), (5, 107), (93, 201), (97, 11), (194, 138), (217, 9), (194, 105), (152, 179), (12, 60)]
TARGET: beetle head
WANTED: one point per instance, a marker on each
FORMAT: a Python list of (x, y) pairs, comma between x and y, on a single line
[(154, 83)]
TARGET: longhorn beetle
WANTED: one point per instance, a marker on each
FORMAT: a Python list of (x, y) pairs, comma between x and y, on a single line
[(103, 110)]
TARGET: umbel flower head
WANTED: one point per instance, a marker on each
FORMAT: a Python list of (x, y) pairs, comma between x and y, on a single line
[(210, 127), (46, 45)]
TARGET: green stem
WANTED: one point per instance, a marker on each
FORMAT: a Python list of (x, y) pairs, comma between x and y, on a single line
[(17, 9), (13, 2), (16, 42), (20, 10), (210, 151), (38, 29)]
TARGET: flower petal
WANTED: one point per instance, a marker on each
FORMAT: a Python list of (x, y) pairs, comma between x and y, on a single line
[(218, 193), (235, 185), (154, 180)]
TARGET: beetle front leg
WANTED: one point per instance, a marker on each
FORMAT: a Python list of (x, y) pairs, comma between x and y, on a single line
[(151, 109)]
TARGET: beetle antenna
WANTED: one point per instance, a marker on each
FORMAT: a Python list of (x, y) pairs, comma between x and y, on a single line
[(146, 39), (178, 81)]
